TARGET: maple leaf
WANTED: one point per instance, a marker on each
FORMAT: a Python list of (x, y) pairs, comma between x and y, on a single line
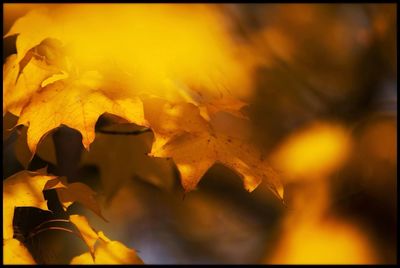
[(76, 103), (86, 232), (40, 25), (15, 252), (22, 78), (195, 145), (45, 81), (26, 188), (22, 189), (45, 31), (108, 252), (10, 74), (69, 193), (225, 104)]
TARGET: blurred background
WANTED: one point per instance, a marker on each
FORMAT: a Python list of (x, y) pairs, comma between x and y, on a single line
[(324, 111)]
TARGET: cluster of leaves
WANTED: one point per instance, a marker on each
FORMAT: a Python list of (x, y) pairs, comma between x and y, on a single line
[(46, 90), (46, 86), (30, 188)]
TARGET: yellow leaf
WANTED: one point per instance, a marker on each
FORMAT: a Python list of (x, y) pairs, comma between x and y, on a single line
[(109, 252), (206, 64), (25, 77), (313, 152), (22, 189), (76, 103), (225, 104), (55, 183), (22, 152), (41, 27), (68, 193), (81, 193), (87, 233), (14, 252), (10, 74), (195, 145)]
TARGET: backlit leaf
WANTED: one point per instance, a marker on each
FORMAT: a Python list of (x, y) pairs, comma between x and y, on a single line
[(109, 252), (14, 252), (195, 145), (22, 189), (87, 233), (76, 103)]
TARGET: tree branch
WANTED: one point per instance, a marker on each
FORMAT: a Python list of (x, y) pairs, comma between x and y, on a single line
[(134, 132)]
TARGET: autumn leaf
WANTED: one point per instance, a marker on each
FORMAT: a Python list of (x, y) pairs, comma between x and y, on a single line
[(22, 78), (88, 235), (24, 155), (22, 189), (10, 74), (69, 193), (41, 27), (225, 104), (26, 188), (45, 77), (195, 145), (76, 103), (15, 252), (90, 88), (108, 252)]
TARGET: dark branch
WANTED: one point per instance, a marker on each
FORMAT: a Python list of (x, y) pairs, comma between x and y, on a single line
[(134, 132)]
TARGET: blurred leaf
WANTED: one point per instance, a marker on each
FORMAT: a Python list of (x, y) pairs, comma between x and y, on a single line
[(69, 193), (10, 74), (14, 252), (331, 242), (109, 252), (123, 157), (106, 251), (81, 193), (24, 78), (22, 189), (87, 233), (9, 122), (314, 151)]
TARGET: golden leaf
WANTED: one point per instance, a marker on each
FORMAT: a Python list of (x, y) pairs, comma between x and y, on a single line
[(195, 145), (76, 103), (108, 252), (87, 233), (26, 188), (24, 77), (68, 193), (22, 189), (81, 193), (14, 252), (40, 26), (10, 74)]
